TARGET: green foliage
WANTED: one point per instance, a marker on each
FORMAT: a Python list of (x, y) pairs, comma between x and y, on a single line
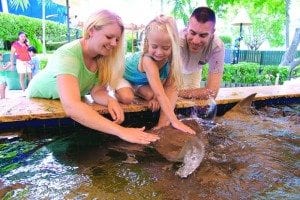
[(51, 46), (227, 40), (204, 72), (32, 27), (43, 63), (269, 73), (251, 73), (182, 9), (131, 43), (295, 72), (36, 43), (268, 17)]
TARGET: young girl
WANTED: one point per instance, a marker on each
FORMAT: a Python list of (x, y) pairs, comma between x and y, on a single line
[(155, 72)]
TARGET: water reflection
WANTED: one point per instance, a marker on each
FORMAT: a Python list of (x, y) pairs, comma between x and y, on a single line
[(247, 157)]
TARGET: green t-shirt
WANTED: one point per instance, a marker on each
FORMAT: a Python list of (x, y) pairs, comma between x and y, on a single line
[(68, 59)]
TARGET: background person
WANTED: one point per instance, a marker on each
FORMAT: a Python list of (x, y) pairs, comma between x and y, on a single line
[(20, 49), (35, 61), (89, 65), (155, 72), (3, 67), (200, 45)]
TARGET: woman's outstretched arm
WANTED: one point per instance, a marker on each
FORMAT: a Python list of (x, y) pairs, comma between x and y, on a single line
[(68, 89)]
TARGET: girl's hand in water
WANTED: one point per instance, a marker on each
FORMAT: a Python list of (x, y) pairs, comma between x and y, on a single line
[(153, 105), (137, 135), (181, 126)]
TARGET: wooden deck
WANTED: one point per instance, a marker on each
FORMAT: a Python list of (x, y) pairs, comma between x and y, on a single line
[(18, 108)]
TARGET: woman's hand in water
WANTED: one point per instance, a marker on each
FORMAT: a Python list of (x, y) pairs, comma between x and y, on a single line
[(137, 135), (181, 126)]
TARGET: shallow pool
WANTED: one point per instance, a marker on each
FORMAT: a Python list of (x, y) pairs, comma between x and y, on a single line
[(255, 157)]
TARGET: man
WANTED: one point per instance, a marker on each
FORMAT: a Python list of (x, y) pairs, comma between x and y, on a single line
[(199, 45)]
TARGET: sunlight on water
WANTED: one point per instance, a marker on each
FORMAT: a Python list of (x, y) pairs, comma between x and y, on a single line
[(42, 175)]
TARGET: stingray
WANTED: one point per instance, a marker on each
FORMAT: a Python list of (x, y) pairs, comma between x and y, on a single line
[(179, 147)]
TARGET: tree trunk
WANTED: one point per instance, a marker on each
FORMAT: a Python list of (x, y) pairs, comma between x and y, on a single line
[(287, 26), (290, 54)]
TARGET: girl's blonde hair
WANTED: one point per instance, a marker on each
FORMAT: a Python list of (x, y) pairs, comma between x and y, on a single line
[(167, 24), (110, 68)]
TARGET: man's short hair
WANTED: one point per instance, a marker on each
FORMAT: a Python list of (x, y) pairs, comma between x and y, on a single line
[(204, 14)]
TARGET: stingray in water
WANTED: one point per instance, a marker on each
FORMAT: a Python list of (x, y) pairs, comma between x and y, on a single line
[(177, 146)]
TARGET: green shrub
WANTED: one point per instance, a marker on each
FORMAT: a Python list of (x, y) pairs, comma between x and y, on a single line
[(295, 72), (250, 73), (227, 40), (43, 63), (51, 46), (204, 72), (131, 43), (13, 24)]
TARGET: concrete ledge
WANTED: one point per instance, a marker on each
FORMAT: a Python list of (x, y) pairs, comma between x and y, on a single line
[(17, 108)]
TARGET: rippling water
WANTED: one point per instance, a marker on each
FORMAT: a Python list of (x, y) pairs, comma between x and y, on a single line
[(248, 157)]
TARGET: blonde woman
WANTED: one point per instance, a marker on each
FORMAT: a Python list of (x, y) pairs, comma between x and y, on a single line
[(154, 73), (90, 65)]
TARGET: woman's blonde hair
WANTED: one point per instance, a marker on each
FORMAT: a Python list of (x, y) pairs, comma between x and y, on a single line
[(167, 24), (110, 68)]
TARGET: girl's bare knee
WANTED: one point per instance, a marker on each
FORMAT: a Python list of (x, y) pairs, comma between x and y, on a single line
[(126, 99), (125, 95)]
